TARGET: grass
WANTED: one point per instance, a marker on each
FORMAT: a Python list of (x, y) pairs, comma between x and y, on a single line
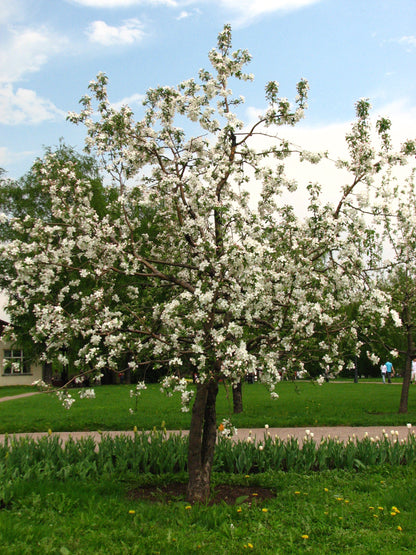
[(328, 512), (339, 511), (11, 390), (300, 405)]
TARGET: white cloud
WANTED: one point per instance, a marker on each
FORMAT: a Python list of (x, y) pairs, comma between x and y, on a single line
[(128, 33), (331, 138), (129, 101), (23, 106), (409, 41), (247, 10), (402, 114), (10, 11), (183, 15), (123, 3), (244, 10), (26, 51), (7, 157)]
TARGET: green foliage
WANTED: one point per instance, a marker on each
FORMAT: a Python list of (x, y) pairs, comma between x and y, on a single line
[(26, 197), (26, 200), (160, 453)]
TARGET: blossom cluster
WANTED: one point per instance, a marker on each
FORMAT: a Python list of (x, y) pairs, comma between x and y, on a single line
[(66, 399), (226, 429), (174, 384), (140, 386), (87, 394)]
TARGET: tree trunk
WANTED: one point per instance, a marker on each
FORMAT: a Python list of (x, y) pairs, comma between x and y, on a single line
[(47, 372), (202, 438), (405, 386), (408, 368), (238, 398)]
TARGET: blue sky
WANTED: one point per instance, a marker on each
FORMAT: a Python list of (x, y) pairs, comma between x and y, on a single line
[(347, 49)]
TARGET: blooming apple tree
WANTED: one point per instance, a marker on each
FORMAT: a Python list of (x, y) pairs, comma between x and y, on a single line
[(232, 282), (394, 212)]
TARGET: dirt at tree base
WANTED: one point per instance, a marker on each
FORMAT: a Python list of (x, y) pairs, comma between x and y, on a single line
[(222, 493)]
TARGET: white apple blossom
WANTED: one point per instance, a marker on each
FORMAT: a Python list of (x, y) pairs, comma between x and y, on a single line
[(87, 394), (396, 318), (373, 357), (320, 380), (66, 399), (226, 429)]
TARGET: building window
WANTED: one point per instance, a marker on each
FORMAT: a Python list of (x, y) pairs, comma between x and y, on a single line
[(13, 362)]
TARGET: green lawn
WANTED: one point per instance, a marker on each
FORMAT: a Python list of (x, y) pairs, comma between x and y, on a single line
[(300, 404), (372, 512), (11, 390), (369, 510)]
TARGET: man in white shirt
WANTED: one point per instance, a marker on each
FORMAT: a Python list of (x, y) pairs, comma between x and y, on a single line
[(413, 375)]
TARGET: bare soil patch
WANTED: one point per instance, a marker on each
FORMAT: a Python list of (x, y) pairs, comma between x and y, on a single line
[(223, 493)]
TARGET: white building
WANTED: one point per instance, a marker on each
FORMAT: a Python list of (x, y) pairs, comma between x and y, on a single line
[(14, 368)]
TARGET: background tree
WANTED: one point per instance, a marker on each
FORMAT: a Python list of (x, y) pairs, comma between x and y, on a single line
[(236, 284), (395, 212), (26, 199)]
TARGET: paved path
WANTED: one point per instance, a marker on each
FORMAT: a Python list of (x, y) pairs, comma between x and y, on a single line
[(343, 433), (19, 396)]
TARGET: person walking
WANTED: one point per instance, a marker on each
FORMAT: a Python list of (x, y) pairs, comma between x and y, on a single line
[(413, 374), (389, 371), (383, 369)]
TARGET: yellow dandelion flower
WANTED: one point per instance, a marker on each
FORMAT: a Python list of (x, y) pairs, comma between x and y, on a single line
[(393, 513), (265, 510), (395, 509), (380, 508), (254, 494), (305, 536), (239, 510), (371, 508), (250, 545), (131, 512), (347, 500), (297, 492), (399, 528), (326, 489), (247, 476), (188, 507)]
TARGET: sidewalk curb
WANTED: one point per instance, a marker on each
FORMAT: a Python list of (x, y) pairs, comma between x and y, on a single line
[(341, 433)]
